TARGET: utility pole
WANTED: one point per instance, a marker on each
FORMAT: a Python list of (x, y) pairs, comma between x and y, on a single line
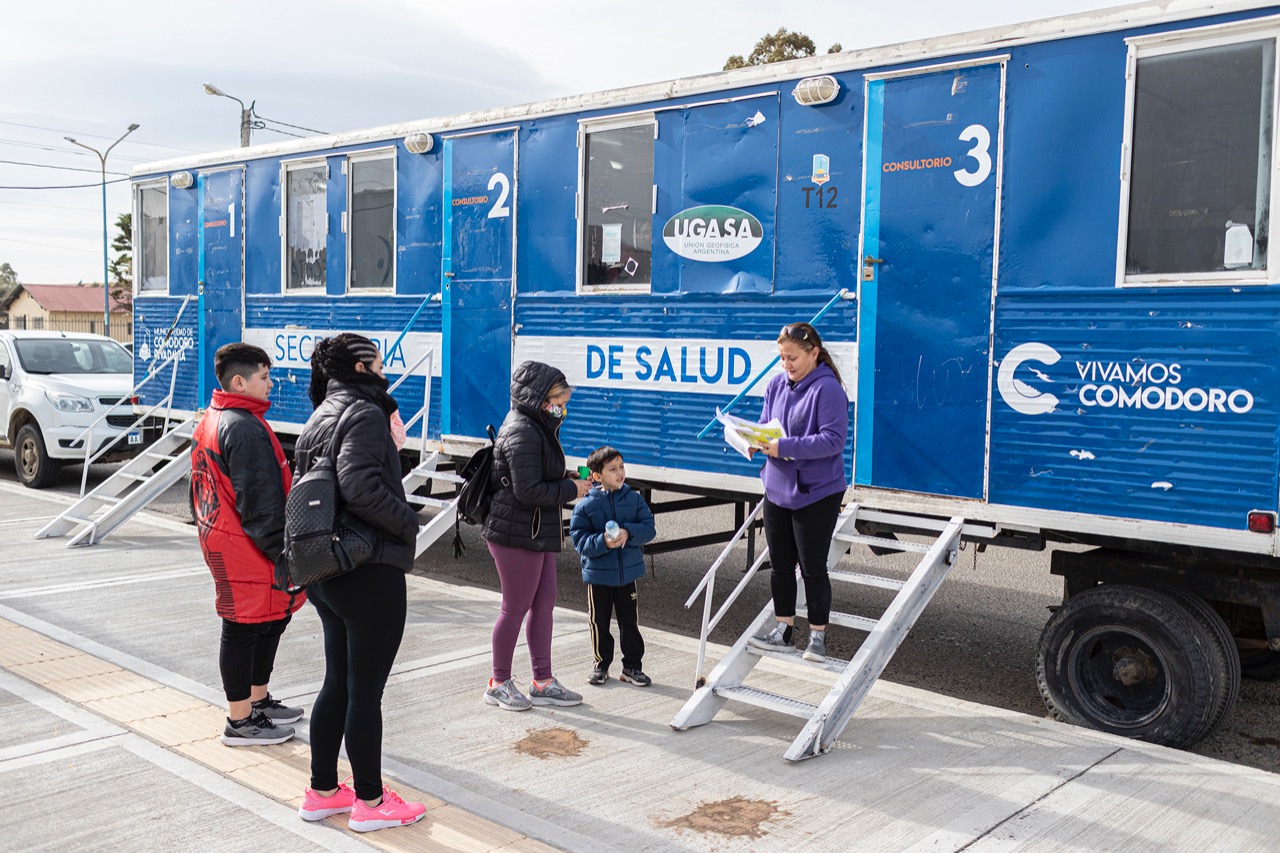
[(106, 288)]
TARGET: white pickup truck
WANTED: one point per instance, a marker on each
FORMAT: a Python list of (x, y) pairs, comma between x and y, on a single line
[(53, 386)]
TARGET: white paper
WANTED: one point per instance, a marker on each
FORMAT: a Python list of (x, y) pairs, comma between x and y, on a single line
[(611, 251), (744, 436)]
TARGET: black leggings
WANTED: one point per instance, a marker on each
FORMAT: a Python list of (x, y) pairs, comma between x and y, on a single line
[(801, 535), (363, 614), (247, 655)]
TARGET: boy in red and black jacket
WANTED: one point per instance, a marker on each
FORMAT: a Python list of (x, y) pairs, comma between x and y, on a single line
[(239, 480)]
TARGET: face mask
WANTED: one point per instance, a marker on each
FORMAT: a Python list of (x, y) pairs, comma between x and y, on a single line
[(557, 412), (397, 430)]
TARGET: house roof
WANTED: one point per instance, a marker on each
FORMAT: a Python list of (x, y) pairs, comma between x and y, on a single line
[(70, 297)]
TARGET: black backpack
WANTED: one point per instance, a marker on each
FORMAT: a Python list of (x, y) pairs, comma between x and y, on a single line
[(476, 493), (322, 540)]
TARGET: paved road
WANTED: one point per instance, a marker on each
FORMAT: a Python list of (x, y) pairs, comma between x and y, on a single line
[(976, 641)]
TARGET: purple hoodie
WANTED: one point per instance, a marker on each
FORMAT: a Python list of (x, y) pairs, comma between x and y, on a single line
[(815, 415)]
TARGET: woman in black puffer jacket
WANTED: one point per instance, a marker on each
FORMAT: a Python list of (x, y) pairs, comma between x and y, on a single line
[(363, 611), (525, 531)]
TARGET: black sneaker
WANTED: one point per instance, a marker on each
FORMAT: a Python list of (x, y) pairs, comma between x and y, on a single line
[(599, 675), (636, 677), (255, 730), (277, 712)]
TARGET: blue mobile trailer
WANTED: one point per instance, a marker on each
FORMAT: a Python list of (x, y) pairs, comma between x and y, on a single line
[(1062, 318)]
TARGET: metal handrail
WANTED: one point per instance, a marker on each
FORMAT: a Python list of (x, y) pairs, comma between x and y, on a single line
[(409, 371), (708, 583), (843, 294), (152, 370), (168, 400), (429, 358)]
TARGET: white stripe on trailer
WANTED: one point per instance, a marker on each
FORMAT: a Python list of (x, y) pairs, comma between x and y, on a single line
[(681, 365), (291, 347)]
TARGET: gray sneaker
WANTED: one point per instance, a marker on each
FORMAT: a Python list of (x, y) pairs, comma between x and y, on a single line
[(554, 693), (507, 696), (278, 712), (257, 730), (775, 641), (817, 650)]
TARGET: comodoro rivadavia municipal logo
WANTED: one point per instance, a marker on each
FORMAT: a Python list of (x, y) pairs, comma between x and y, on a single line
[(1133, 384), (712, 233)]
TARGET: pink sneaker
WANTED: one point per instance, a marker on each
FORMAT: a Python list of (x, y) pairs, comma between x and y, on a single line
[(392, 811), (316, 807)]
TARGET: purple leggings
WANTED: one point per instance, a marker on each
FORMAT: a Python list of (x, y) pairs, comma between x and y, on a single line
[(528, 581)]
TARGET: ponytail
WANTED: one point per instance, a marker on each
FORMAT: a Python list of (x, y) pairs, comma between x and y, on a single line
[(824, 357), (319, 376)]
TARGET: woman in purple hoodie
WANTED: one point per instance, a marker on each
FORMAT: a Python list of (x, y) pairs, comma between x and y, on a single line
[(804, 483)]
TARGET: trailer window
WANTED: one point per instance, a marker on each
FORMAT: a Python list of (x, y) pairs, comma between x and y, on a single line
[(617, 215), (152, 251), (373, 224), (1200, 177), (306, 226)]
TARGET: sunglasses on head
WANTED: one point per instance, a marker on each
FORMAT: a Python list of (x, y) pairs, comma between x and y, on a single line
[(795, 331)]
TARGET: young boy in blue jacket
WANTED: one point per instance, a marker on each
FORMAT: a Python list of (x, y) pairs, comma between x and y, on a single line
[(611, 566)]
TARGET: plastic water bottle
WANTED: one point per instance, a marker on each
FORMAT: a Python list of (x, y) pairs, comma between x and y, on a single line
[(611, 530)]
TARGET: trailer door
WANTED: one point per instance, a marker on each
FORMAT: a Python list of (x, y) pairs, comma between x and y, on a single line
[(220, 268), (478, 278), (930, 220)]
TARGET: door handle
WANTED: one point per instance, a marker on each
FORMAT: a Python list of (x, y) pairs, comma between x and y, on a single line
[(868, 268)]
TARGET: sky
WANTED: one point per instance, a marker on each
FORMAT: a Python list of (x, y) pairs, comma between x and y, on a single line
[(90, 69)]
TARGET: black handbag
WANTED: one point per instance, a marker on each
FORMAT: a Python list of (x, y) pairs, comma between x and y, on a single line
[(321, 539)]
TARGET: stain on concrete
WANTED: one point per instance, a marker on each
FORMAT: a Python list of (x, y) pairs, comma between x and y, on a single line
[(1260, 741), (736, 816), (551, 743)]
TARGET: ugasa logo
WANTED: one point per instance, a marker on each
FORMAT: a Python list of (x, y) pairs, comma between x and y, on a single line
[(1020, 396), (712, 233)]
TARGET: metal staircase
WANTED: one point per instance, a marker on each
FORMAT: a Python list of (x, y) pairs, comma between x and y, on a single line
[(825, 721), (446, 509), (425, 471), (129, 489)]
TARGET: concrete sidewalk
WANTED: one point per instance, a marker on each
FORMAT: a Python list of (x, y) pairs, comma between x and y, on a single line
[(110, 701)]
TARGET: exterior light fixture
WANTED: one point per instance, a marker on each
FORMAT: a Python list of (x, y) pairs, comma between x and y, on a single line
[(814, 91), (181, 180), (419, 143)]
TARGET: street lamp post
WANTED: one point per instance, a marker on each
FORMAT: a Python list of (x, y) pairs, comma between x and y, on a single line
[(246, 113), (102, 159)]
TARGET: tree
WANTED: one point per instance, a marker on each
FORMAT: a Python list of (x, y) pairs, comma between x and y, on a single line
[(778, 47), (8, 284), (121, 268)]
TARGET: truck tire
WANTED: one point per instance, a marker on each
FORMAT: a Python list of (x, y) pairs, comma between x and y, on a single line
[(1226, 657), (1132, 661), (35, 469)]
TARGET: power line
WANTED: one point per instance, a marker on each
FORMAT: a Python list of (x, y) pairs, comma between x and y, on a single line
[(48, 245), (100, 136), (63, 168), (50, 206), (294, 126), (70, 186), (282, 132), (64, 150)]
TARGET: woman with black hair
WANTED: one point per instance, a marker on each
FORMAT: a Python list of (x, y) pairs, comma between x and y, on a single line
[(804, 483), (362, 611)]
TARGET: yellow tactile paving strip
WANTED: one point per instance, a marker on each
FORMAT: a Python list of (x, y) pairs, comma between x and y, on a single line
[(183, 724)]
